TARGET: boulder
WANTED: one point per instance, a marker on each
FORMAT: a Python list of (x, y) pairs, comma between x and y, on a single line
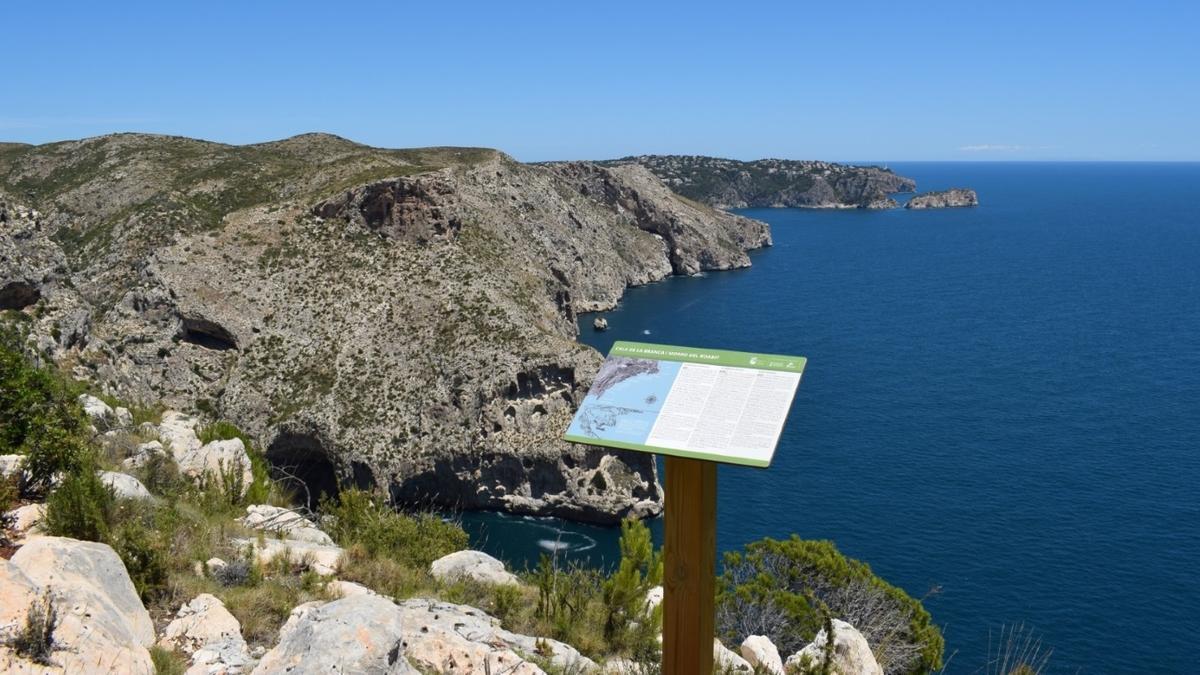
[(124, 486), (178, 432), (123, 417), (339, 588), (725, 660), (600, 324), (284, 521), (762, 654), (197, 460), (205, 632), (142, 454), (851, 653), (101, 625), (214, 564), (321, 559), (443, 637), (474, 565), (26, 521), (96, 410), (358, 634)]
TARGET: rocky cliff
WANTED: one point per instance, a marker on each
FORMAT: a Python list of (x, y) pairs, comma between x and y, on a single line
[(398, 318), (954, 197), (728, 183)]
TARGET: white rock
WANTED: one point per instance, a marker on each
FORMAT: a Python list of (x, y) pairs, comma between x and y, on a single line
[(95, 409), (851, 653), (124, 486), (178, 431), (339, 588), (26, 521), (323, 560), (123, 417), (442, 637), (10, 465), (474, 565), (654, 598), (210, 460), (214, 564), (101, 624), (210, 636), (283, 521), (142, 454), (359, 634), (725, 660), (760, 652)]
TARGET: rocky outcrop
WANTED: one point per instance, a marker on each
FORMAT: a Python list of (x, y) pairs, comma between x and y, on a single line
[(600, 324), (729, 184), (124, 486), (401, 319), (359, 634), (322, 559), (725, 660), (952, 198), (200, 461), (473, 565), (284, 522), (851, 654), (761, 653), (101, 625), (205, 632)]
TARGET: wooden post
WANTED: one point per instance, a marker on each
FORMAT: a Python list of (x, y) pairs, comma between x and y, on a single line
[(689, 566)]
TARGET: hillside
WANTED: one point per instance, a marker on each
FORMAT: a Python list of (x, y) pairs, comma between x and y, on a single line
[(729, 183), (394, 318)]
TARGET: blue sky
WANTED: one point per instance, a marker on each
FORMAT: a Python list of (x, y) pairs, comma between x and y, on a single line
[(565, 80)]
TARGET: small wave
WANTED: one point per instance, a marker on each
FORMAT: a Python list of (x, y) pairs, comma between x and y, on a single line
[(554, 545), (646, 332)]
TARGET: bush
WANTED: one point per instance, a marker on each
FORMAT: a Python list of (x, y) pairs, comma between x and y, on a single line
[(782, 589), (236, 573), (168, 661), (142, 538), (81, 507), (628, 626), (356, 517), (41, 419), (35, 641)]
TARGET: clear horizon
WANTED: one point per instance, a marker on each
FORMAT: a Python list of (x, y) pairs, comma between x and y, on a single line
[(1021, 82)]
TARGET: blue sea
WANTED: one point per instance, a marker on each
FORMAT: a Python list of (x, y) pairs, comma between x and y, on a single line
[(1001, 410)]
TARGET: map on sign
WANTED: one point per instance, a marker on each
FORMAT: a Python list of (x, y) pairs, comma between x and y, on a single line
[(700, 403)]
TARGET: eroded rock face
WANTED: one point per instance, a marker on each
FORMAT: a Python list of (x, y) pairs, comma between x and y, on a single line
[(101, 623), (413, 332), (952, 198), (851, 653)]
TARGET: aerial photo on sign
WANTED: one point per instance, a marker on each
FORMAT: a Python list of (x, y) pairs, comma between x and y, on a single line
[(712, 404)]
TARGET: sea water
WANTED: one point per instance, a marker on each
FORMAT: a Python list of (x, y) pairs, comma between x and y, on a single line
[(1001, 410)]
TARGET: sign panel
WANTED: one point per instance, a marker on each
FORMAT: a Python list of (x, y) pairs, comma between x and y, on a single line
[(707, 404)]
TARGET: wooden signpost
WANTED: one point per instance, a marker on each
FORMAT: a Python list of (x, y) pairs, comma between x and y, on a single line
[(698, 408)]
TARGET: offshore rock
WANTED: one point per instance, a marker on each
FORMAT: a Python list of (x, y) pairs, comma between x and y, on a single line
[(952, 198), (600, 324)]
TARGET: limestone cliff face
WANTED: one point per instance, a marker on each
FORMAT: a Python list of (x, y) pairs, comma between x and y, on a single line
[(404, 319), (727, 183)]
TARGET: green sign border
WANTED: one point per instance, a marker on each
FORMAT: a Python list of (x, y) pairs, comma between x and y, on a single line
[(715, 357)]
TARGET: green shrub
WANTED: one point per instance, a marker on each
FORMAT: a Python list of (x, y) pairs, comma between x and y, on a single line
[(782, 589), (168, 661), (81, 507), (142, 537), (41, 419), (358, 517), (628, 626)]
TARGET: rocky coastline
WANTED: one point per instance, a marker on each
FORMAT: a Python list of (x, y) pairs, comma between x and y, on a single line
[(944, 199)]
